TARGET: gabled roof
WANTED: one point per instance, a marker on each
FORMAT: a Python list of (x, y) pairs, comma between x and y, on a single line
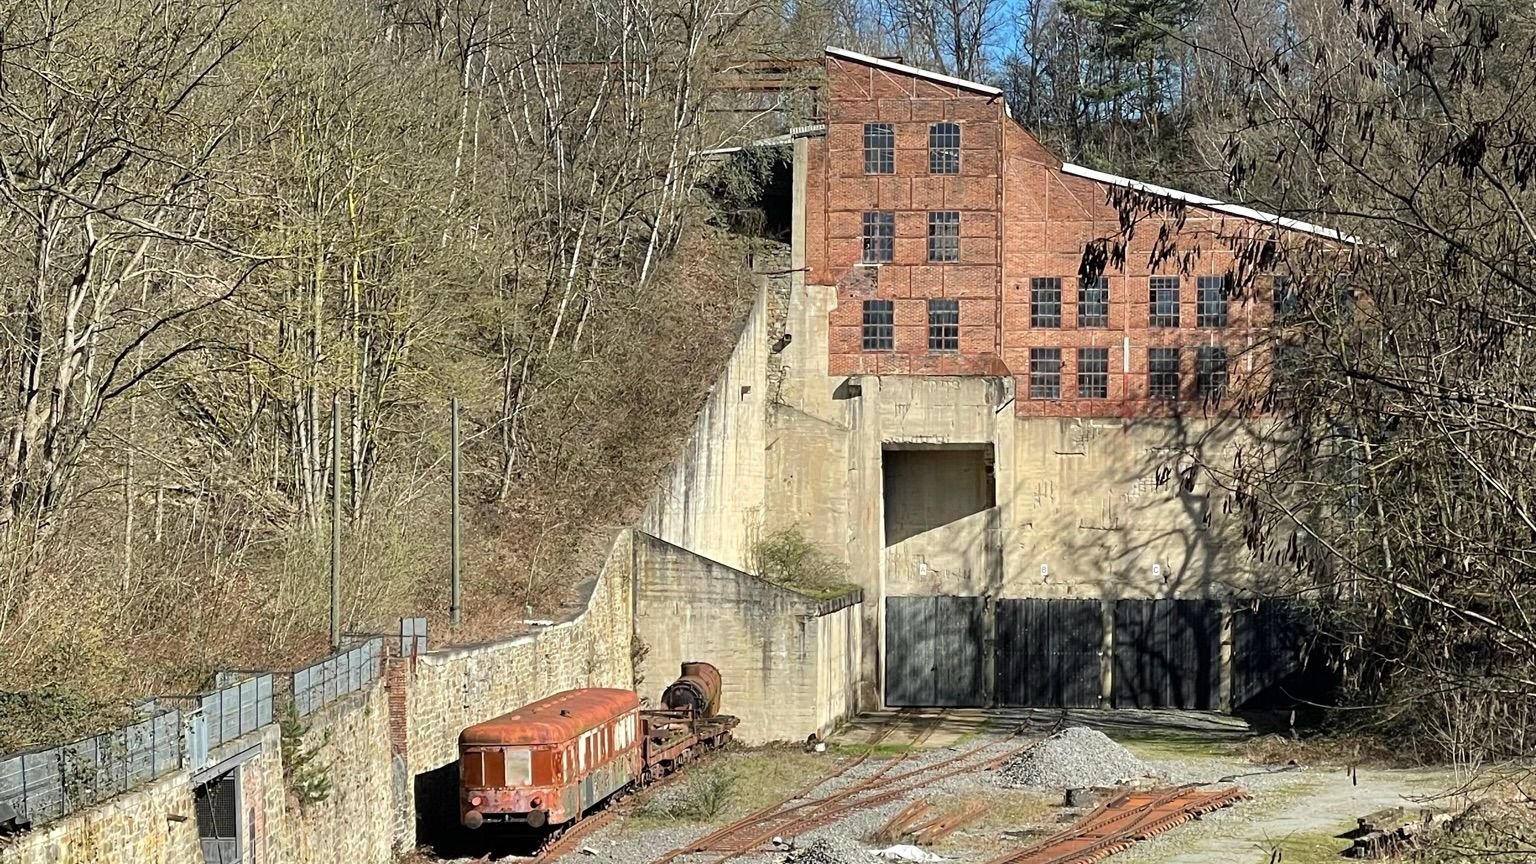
[(904, 69), (1207, 203)]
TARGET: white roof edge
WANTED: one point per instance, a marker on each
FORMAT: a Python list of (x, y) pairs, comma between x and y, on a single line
[(1208, 203), (761, 142), (808, 131), (912, 70)]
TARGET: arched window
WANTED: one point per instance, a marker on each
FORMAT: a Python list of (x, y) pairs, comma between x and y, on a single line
[(944, 148)]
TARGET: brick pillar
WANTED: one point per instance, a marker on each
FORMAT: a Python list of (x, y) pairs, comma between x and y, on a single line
[(397, 676), (397, 671)]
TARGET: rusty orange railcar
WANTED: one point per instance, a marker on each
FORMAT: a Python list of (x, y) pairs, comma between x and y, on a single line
[(551, 761), (546, 764)]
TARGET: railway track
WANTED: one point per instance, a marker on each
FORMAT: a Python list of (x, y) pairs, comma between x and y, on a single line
[(793, 819), (757, 817), (1122, 822), (566, 841)]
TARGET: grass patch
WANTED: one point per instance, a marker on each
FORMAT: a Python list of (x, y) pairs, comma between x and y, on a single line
[(1006, 810), (1174, 745), (883, 750), (1325, 750), (728, 787), (1310, 847)]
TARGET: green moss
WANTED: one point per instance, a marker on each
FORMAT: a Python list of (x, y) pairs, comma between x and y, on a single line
[(874, 751), (1312, 847)]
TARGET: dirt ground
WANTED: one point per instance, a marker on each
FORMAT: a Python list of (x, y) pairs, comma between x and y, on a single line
[(1295, 810)]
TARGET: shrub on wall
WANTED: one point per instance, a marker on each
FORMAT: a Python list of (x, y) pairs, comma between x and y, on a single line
[(789, 560), (308, 779)]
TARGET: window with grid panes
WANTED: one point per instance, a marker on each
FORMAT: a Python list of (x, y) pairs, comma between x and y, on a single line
[(943, 325), (1210, 371), (879, 325), (1286, 297), (1163, 301), (1163, 373), (1045, 301), (944, 235), (879, 237), (1093, 302), (944, 148), (1211, 301), (879, 148), (1093, 373), (1045, 373)]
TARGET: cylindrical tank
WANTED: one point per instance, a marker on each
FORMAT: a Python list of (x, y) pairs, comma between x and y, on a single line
[(698, 689)]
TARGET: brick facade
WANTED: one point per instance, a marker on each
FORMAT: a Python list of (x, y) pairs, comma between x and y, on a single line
[(1021, 216)]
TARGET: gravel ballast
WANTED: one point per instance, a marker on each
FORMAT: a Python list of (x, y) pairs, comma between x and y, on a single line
[(1076, 757), (828, 850)]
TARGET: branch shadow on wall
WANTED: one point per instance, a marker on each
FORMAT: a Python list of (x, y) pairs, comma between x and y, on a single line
[(1170, 545)]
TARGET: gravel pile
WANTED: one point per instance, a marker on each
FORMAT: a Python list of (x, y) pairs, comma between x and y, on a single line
[(827, 850), (1075, 757)]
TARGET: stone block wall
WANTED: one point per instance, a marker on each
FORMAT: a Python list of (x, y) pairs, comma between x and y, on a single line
[(355, 824), (788, 662)]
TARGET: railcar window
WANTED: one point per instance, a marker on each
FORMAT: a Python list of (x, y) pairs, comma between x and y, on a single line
[(495, 768), (469, 765), (519, 766)]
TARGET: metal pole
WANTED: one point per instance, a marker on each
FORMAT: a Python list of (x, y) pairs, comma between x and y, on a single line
[(335, 522), (454, 604)]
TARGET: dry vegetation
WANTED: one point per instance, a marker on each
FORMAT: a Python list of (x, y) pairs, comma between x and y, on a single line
[(223, 214)]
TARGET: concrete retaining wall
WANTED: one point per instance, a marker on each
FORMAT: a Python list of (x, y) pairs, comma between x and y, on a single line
[(788, 662), (711, 500)]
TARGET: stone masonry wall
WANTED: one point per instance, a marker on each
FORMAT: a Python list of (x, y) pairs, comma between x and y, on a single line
[(355, 823)]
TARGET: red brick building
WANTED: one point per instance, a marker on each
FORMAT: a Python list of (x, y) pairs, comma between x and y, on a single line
[(955, 240)]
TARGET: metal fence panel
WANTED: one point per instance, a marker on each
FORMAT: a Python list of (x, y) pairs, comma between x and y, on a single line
[(49, 783), (322, 683), (1167, 654), (263, 700), (413, 636), (1048, 653)]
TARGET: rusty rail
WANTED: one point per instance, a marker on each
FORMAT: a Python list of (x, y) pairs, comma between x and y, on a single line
[(1122, 822), (751, 834), (747, 834), (719, 835)]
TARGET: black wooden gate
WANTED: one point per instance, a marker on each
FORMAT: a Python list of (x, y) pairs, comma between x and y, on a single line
[(1167, 654), (1048, 653), (933, 652), (1268, 640)]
